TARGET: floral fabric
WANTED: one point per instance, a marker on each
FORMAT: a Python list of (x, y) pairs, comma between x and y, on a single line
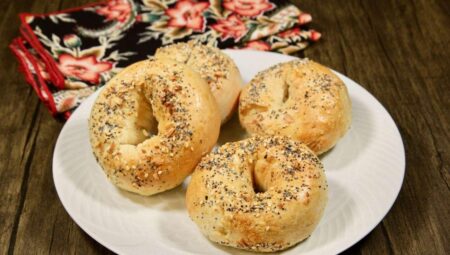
[(66, 56)]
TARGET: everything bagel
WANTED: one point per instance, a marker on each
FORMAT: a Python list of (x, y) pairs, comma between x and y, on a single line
[(151, 124), (262, 194), (300, 99), (218, 70)]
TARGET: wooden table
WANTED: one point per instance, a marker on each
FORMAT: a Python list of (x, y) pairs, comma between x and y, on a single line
[(397, 49)]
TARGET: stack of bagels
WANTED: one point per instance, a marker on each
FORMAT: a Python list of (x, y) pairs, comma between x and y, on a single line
[(157, 121)]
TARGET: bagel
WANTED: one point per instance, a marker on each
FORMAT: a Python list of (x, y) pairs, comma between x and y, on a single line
[(262, 194), (219, 71), (300, 99), (151, 124)]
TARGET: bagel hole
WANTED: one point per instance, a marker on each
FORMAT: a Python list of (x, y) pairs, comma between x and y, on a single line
[(257, 187), (146, 123), (286, 87), (141, 124), (259, 170)]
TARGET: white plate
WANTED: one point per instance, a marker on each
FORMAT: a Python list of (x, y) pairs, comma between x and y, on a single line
[(365, 172)]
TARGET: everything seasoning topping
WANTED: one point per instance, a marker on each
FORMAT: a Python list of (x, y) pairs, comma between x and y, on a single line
[(298, 74), (251, 193), (162, 88), (229, 175), (212, 65), (300, 99)]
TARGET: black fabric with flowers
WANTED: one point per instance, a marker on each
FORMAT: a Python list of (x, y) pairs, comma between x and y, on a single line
[(67, 55)]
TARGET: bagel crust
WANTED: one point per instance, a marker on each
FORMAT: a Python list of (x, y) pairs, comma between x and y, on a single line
[(300, 99), (261, 194), (151, 124), (219, 71)]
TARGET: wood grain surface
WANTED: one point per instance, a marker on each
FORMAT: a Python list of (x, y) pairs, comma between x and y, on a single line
[(397, 49)]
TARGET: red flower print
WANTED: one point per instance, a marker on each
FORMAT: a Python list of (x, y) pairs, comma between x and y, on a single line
[(304, 18), (188, 13), (257, 45), (290, 33), (232, 27), (66, 104), (315, 36), (250, 8), (84, 68), (116, 10)]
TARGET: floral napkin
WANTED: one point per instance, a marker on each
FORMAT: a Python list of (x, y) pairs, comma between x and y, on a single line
[(65, 56)]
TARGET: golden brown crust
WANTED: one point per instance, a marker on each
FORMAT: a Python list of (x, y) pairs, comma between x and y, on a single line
[(263, 194), (151, 124), (218, 70), (300, 99)]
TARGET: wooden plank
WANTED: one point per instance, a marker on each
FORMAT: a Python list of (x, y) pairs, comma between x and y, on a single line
[(419, 221), (19, 111), (45, 227)]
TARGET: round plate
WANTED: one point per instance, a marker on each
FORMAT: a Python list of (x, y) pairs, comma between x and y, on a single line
[(365, 172)]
